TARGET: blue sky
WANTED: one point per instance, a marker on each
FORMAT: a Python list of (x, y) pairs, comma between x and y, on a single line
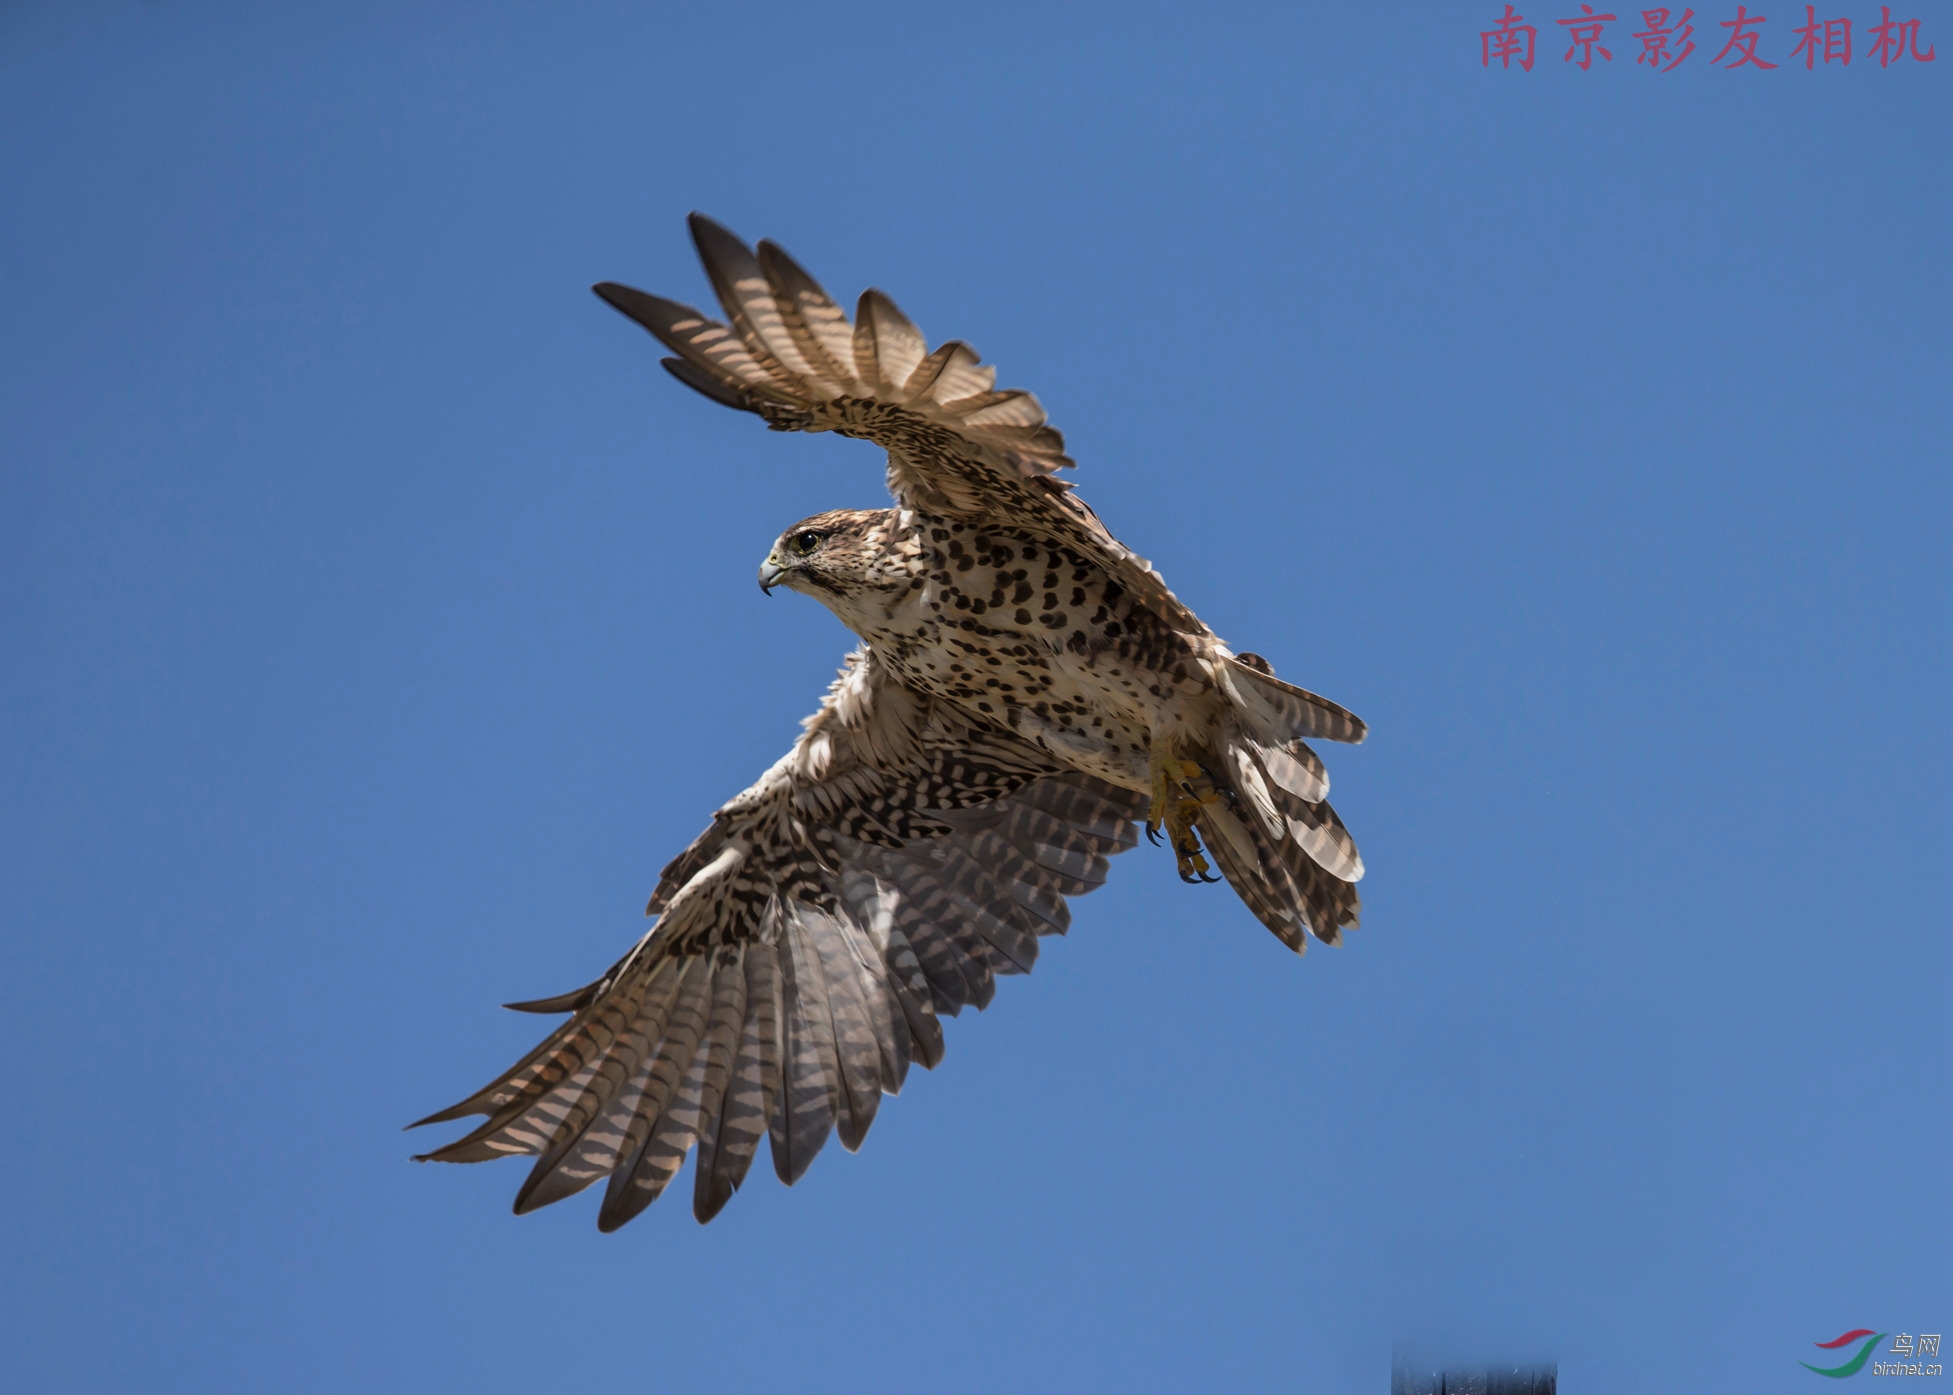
[(376, 618)]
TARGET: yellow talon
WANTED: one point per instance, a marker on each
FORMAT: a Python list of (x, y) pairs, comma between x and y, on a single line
[(1162, 797), (1181, 790)]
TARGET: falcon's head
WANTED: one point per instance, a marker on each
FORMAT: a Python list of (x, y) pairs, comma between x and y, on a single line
[(843, 556)]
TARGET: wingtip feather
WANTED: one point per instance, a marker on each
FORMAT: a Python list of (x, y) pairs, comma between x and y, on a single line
[(453, 1111)]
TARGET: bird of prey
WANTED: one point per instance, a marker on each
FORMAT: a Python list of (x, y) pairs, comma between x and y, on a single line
[(1026, 690)]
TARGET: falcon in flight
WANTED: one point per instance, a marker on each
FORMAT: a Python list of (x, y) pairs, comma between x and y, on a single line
[(1026, 691)]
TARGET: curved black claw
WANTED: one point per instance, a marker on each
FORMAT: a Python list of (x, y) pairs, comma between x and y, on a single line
[(1205, 878), (1222, 789), (1189, 880), (1153, 834)]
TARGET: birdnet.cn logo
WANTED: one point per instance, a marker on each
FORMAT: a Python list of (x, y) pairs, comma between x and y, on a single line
[(1914, 1354)]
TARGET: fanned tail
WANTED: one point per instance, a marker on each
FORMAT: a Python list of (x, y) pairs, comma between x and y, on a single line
[(1277, 840), (1279, 880)]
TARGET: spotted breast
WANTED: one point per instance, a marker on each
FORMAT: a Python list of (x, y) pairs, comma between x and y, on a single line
[(1037, 636)]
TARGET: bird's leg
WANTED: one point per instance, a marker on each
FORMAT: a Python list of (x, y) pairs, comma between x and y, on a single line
[(1181, 789), (1169, 772), (1162, 773), (1192, 865)]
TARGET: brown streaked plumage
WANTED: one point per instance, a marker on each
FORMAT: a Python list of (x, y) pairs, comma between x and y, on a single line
[(1026, 690)]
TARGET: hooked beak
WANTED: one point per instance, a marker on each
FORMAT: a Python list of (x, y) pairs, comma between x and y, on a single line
[(770, 573)]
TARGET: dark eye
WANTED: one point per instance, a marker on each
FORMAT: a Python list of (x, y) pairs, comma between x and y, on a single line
[(803, 543)]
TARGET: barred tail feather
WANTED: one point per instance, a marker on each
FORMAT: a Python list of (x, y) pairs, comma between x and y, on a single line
[(1289, 858), (1280, 712), (1287, 891)]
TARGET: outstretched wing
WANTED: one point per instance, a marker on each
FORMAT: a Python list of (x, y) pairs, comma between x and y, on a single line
[(882, 872), (956, 445)]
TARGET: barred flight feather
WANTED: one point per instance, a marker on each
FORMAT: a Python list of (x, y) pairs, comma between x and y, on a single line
[(747, 298), (981, 934), (702, 343), (579, 1160), (952, 953), (819, 325), (635, 1183), (1038, 890), (857, 1053), (887, 345), (717, 1054), (585, 1143), (756, 1073), (803, 1115), (959, 377)]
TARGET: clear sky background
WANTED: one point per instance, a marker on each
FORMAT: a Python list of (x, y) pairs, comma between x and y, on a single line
[(376, 618)]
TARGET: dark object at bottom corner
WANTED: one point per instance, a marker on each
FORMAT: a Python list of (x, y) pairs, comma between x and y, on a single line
[(1407, 1379)]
